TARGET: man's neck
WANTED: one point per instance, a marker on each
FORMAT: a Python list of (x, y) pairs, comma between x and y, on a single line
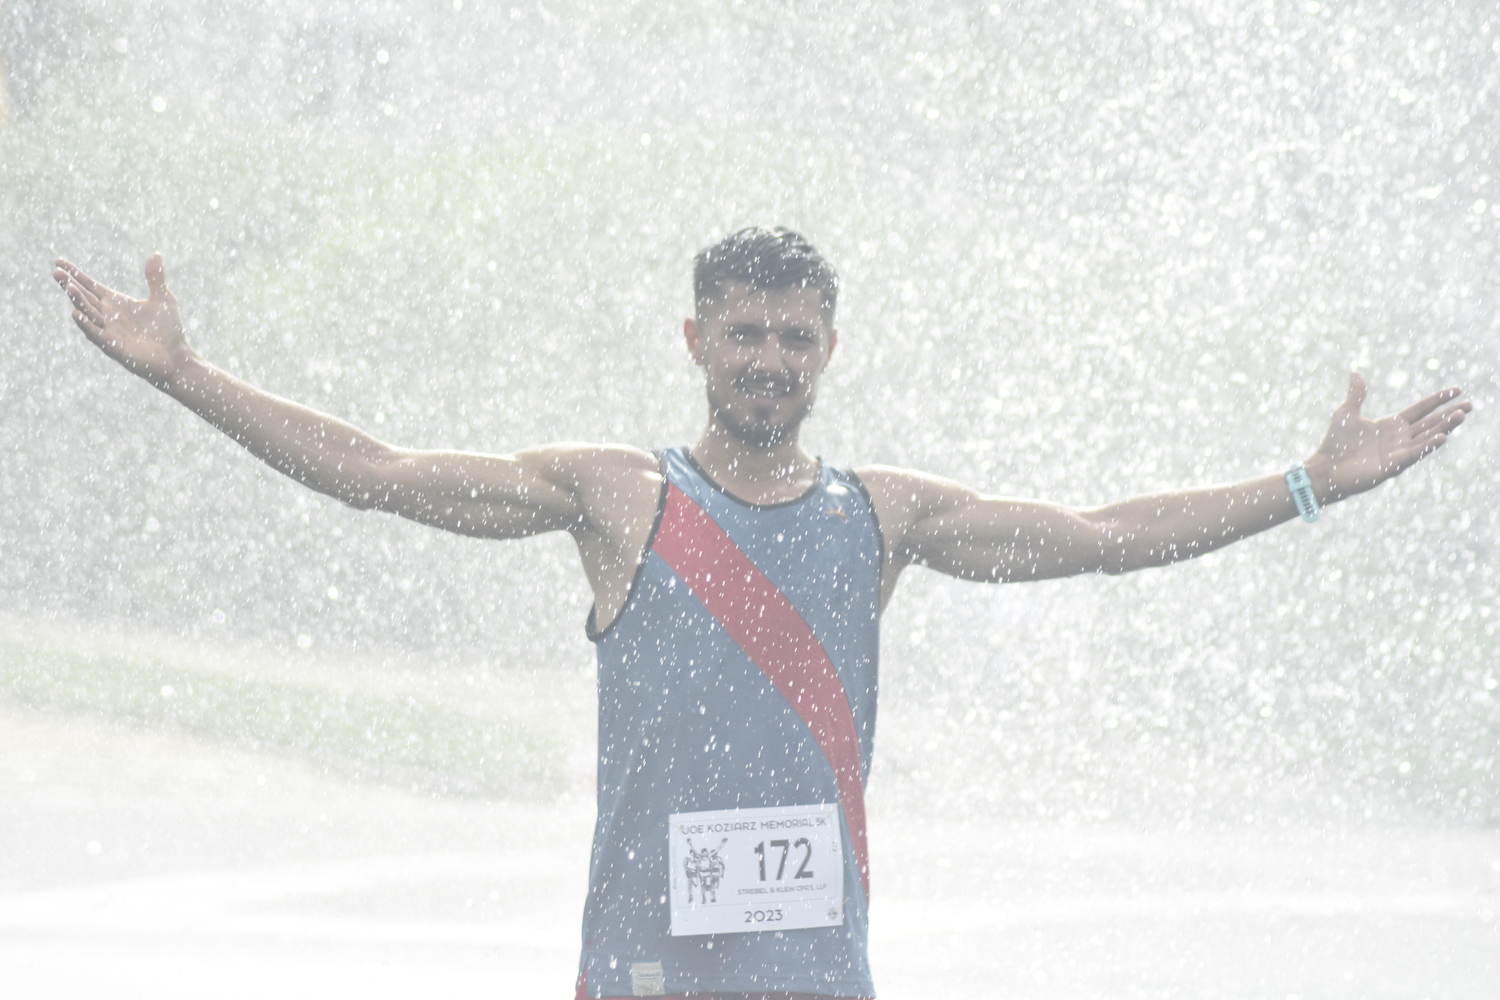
[(753, 473)]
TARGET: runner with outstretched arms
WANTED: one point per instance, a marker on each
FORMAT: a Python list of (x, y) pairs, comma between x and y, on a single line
[(738, 585)]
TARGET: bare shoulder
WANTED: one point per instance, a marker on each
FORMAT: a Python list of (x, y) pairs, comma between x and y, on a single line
[(901, 489), (617, 486), (577, 463), (903, 497)]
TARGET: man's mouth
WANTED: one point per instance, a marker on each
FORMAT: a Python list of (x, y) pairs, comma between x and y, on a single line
[(762, 388)]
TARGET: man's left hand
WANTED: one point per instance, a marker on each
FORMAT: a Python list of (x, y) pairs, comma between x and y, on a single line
[(1359, 454)]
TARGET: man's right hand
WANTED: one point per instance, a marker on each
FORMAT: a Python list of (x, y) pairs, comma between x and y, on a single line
[(144, 335)]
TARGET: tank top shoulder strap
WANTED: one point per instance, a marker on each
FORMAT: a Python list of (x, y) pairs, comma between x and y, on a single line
[(681, 471)]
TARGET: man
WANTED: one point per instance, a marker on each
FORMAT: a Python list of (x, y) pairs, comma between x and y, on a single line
[(738, 586)]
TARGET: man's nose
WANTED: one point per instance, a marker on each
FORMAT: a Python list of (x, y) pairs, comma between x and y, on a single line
[(770, 357)]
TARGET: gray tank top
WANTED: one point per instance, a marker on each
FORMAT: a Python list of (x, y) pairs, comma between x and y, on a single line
[(688, 722)]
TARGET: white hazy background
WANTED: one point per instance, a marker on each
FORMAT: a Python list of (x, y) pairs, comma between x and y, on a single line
[(1087, 250)]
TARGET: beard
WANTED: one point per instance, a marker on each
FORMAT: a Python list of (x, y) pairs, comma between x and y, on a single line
[(749, 429)]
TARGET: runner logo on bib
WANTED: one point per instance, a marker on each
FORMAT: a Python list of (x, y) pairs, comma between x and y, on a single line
[(736, 870)]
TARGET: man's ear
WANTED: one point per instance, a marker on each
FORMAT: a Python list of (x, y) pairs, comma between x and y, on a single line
[(833, 341), (694, 338)]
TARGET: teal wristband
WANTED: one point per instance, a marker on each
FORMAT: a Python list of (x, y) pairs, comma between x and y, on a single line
[(1302, 493)]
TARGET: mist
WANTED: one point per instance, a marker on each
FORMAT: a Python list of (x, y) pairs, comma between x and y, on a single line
[(1085, 253)]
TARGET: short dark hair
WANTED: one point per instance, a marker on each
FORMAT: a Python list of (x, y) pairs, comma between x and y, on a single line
[(764, 259)]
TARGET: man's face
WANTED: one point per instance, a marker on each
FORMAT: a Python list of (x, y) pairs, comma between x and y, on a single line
[(762, 351)]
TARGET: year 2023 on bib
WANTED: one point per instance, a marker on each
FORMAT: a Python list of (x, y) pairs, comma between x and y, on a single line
[(738, 870)]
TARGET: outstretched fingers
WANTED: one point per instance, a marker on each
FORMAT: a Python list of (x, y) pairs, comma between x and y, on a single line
[(1442, 422), (85, 301), (1421, 408), (1429, 434), (92, 330), (78, 274)]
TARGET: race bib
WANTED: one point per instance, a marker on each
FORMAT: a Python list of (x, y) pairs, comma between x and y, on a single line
[(736, 870)]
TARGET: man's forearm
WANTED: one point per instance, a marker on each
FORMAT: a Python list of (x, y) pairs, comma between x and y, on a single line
[(1162, 528), (317, 450)]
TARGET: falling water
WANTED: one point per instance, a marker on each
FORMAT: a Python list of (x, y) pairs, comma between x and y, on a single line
[(1086, 252)]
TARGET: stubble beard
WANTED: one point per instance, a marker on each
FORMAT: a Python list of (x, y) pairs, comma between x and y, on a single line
[(755, 433)]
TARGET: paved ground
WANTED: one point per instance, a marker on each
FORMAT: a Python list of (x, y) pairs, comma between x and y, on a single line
[(139, 864)]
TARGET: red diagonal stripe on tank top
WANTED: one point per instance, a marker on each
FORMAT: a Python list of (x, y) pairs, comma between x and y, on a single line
[(778, 640)]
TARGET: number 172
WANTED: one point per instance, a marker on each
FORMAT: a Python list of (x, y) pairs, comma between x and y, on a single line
[(786, 845)]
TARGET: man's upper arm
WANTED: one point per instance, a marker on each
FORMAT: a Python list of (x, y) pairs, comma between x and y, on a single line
[(550, 488), (943, 525)]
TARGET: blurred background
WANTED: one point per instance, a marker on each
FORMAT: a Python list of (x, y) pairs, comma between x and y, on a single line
[(1087, 250)]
